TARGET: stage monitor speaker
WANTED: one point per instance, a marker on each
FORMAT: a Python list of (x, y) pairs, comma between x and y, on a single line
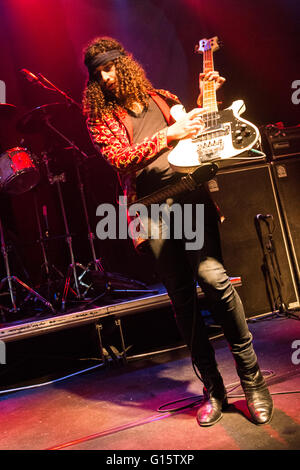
[(287, 176), (242, 193)]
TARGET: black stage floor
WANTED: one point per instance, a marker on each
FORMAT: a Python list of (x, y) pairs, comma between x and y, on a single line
[(132, 403)]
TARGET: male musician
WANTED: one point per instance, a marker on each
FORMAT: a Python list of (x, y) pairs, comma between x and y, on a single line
[(130, 124)]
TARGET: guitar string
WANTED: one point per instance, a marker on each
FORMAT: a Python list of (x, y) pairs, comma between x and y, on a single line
[(211, 118)]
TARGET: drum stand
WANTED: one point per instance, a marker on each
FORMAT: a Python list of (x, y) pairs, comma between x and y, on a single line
[(95, 262), (13, 279), (72, 272)]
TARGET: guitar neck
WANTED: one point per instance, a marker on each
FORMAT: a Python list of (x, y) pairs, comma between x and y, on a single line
[(209, 87)]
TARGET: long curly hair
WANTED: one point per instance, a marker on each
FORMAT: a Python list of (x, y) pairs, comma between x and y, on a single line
[(132, 83)]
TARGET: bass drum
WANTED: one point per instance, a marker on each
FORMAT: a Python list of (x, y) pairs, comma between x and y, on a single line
[(18, 172)]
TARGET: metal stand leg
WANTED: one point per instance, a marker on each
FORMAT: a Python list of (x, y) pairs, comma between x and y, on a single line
[(72, 273), (95, 262), (13, 279), (99, 328), (51, 271), (7, 268), (119, 325)]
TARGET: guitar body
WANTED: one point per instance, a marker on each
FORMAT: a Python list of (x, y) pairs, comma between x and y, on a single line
[(226, 136)]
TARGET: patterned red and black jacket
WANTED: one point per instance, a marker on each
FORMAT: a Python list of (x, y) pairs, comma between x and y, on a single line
[(113, 139)]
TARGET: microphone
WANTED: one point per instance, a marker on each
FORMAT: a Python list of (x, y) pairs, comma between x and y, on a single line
[(30, 76)]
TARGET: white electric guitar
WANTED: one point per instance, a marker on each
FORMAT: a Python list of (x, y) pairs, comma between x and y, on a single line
[(226, 135)]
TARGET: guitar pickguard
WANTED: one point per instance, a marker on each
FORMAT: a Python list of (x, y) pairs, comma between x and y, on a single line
[(216, 141)]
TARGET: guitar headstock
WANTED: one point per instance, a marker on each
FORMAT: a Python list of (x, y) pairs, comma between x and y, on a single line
[(207, 45)]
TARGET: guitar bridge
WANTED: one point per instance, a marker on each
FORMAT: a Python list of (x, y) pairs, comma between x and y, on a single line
[(209, 150)]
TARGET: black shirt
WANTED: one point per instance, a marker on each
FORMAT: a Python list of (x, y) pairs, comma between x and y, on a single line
[(158, 173)]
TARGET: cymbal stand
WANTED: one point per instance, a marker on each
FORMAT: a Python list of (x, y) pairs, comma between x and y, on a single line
[(48, 267), (46, 83), (95, 262), (91, 237), (13, 279), (57, 180)]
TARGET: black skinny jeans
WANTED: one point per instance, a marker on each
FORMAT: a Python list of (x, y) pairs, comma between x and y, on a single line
[(180, 269)]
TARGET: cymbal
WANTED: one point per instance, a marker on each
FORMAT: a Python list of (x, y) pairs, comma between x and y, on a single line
[(7, 110), (66, 124), (36, 119)]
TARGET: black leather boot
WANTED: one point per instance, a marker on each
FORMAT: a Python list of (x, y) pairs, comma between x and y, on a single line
[(214, 401), (259, 400)]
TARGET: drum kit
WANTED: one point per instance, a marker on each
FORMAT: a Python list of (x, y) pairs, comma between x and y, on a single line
[(20, 173)]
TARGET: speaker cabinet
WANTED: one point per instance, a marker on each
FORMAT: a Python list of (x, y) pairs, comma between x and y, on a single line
[(242, 193)]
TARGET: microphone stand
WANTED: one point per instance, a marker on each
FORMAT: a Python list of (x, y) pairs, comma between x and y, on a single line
[(53, 87), (271, 269)]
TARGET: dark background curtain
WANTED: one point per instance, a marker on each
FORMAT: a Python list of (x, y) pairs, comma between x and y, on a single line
[(259, 58)]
